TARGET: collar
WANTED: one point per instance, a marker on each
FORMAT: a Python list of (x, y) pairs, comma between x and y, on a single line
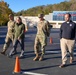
[(68, 21)]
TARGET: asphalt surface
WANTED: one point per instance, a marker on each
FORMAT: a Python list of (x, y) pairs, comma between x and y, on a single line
[(50, 64)]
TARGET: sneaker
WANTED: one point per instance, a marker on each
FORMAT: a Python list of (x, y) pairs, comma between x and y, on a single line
[(14, 53), (20, 57), (62, 65), (2, 53)]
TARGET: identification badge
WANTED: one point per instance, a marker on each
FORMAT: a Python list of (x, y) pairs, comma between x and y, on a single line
[(70, 24)]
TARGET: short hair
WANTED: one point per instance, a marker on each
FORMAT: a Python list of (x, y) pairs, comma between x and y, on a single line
[(68, 14), (11, 15), (19, 18)]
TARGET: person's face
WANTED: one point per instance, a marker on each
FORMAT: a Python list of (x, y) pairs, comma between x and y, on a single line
[(11, 18), (67, 18), (41, 18), (18, 20)]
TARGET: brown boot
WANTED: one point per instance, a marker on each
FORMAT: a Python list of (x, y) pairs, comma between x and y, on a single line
[(41, 57), (71, 60), (37, 57), (62, 66), (3, 52)]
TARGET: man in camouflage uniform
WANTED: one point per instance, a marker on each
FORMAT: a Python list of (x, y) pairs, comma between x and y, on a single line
[(10, 33), (19, 37), (43, 30)]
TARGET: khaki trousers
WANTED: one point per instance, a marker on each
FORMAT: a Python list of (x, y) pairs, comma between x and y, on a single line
[(66, 44)]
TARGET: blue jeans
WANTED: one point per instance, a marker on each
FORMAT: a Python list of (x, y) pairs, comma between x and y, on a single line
[(15, 43)]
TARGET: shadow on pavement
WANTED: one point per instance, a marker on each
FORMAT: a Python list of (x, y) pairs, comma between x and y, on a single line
[(31, 69)]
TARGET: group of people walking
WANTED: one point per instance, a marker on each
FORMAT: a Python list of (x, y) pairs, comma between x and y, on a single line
[(16, 34)]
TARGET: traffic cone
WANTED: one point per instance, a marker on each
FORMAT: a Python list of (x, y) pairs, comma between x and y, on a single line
[(17, 66), (51, 40)]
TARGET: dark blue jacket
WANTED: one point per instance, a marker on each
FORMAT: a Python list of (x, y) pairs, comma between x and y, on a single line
[(68, 30)]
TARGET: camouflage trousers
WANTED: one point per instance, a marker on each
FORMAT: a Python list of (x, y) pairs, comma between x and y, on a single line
[(8, 40), (40, 43)]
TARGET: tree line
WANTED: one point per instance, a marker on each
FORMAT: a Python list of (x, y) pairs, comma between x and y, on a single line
[(67, 5), (4, 12)]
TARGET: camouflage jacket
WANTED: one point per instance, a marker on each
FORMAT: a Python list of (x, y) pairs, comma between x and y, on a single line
[(43, 28), (11, 25)]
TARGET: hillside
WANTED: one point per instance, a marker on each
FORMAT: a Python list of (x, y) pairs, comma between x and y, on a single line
[(67, 5)]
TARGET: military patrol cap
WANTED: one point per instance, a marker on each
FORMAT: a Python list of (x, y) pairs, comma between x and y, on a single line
[(40, 15)]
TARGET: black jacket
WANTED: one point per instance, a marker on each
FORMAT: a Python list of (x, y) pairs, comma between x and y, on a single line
[(68, 30)]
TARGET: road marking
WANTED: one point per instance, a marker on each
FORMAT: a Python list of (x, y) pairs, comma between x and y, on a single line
[(57, 52), (74, 53), (53, 51), (31, 73)]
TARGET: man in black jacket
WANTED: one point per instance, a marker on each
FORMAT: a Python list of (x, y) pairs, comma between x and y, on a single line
[(67, 39)]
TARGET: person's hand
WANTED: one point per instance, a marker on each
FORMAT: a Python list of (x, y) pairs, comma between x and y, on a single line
[(18, 38), (26, 29)]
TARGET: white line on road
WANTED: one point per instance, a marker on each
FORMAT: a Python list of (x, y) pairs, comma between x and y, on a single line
[(53, 51), (31, 73), (57, 52)]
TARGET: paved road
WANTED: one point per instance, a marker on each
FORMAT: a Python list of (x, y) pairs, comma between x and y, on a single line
[(49, 66)]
